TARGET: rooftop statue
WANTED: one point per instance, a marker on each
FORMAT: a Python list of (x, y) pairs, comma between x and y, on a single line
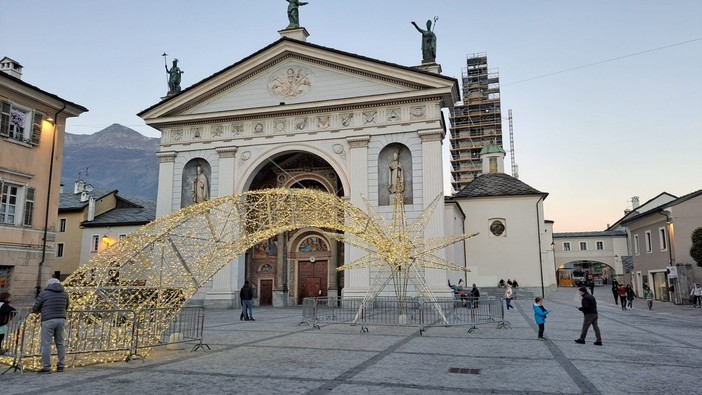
[(293, 13), (174, 77), (428, 42)]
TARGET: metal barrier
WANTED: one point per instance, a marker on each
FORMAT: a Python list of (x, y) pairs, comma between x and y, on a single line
[(13, 338), (186, 325), (95, 336), (388, 311)]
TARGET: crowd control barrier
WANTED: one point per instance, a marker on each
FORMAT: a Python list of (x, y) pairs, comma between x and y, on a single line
[(414, 312), (96, 336)]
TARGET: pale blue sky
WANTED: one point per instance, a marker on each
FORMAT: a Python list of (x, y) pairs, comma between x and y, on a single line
[(591, 137)]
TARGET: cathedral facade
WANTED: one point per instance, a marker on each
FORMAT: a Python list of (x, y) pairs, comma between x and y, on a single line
[(299, 115)]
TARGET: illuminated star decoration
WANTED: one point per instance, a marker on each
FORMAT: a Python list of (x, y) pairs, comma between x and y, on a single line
[(400, 251)]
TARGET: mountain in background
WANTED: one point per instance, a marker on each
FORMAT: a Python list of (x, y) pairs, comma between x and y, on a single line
[(116, 157)]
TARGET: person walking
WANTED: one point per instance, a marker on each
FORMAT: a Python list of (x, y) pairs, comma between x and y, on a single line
[(52, 303), (589, 309), (630, 296), (696, 293), (622, 296), (474, 297), (648, 296), (7, 312), (615, 291), (508, 296), (246, 296), (540, 314)]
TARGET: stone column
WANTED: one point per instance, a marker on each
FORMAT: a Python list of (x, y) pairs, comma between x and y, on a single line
[(280, 288), (357, 282), (333, 287), (226, 282), (433, 186), (166, 165)]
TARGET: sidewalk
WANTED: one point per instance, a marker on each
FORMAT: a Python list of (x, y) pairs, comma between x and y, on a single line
[(644, 352)]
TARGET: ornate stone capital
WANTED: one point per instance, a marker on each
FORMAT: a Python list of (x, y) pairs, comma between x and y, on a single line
[(166, 157), (227, 152), (358, 141), (431, 135)]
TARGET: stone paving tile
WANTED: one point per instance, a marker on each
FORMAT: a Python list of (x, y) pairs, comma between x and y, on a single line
[(499, 374), (645, 352)]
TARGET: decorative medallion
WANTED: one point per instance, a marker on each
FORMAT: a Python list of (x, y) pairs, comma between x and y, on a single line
[(347, 119), (290, 82), (280, 125), (245, 155), (301, 124), (369, 117), (176, 135), (195, 132), (417, 112), (258, 128), (393, 115), (339, 150), (323, 121)]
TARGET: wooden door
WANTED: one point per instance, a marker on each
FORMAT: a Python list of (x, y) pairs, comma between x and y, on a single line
[(313, 286), (316, 273), (266, 293)]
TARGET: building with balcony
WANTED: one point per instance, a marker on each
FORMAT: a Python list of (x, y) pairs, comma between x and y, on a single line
[(32, 128)]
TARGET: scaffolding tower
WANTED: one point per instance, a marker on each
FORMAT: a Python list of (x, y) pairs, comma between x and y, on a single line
[(476, 122)]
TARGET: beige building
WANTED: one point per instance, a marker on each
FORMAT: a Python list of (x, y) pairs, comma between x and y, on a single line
[(32, 127), (660, 241), (89, 221)]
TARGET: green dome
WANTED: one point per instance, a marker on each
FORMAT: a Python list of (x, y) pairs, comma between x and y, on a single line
[(492, 149)]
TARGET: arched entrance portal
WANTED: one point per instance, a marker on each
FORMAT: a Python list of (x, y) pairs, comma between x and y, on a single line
[(577, 273), (292, 265)]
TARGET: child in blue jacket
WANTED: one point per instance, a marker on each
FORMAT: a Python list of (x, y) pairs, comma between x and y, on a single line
[(540, 314)]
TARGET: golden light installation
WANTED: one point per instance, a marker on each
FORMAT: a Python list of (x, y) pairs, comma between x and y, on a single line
[(399, 251), (161, 265)]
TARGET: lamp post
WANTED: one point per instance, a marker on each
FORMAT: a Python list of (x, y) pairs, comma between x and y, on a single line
[(53, 122)]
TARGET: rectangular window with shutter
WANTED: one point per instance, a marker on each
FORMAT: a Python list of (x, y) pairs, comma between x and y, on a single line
[(29, 206), (8, 203), (20, 124)]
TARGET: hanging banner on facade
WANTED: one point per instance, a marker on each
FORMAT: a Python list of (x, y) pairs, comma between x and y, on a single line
[(672, 271)]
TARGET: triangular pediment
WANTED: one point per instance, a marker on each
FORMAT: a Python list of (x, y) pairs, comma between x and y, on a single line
[(291, 74)]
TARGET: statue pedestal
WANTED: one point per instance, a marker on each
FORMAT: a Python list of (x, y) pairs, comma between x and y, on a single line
[(296, 33), (430, 67)]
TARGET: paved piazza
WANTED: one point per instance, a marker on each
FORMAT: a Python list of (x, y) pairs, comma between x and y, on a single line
[(644, 352)]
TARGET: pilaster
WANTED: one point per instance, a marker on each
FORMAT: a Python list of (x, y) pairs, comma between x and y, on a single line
[(432, 168), (166, 165), (357, 281)]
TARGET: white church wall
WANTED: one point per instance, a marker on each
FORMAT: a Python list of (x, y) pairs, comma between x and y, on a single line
[(517, 253), (454, 221)]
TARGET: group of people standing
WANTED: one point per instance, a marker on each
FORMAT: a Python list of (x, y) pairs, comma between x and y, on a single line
[(624, 295)]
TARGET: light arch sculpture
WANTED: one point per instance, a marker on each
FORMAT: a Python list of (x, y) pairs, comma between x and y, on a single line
[(162, 265)]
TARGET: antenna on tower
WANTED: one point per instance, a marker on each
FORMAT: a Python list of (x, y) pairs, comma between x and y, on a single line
[(515, 170)]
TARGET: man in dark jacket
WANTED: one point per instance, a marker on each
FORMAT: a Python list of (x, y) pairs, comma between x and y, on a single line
[(589, 309), (246, 296), (52, 304)]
